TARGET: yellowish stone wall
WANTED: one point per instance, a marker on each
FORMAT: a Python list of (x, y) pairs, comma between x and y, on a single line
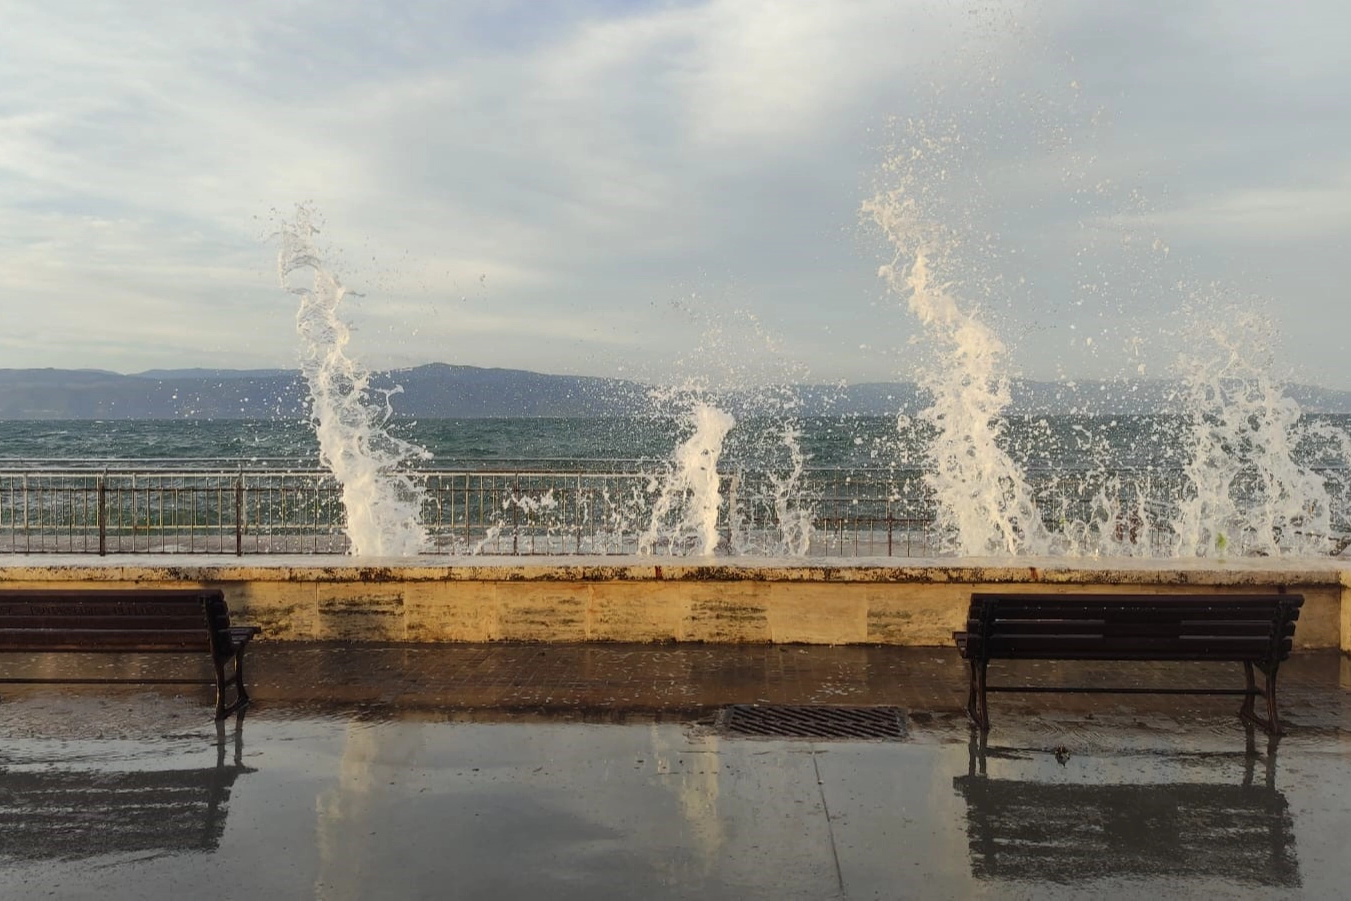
[(845, 602)]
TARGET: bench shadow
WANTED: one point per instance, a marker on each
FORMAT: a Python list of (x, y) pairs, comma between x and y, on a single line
[(1068, 833), (72, 814)]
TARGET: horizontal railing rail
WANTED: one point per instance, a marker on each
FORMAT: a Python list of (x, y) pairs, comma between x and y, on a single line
[(292, 507)]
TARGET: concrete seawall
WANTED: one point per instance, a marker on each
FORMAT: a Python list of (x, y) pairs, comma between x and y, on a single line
[(827, 601)]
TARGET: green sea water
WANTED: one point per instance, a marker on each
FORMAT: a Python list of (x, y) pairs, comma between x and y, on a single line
[(1068, 443)]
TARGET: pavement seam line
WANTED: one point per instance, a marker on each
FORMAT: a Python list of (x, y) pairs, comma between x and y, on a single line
[(830, 827)]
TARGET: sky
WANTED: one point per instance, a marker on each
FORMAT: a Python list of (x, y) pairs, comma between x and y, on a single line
[(655, 190)]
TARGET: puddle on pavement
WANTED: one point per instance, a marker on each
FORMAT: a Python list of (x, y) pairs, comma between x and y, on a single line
[(141, 796)]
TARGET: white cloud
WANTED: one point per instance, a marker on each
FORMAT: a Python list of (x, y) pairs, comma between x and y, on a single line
[(528, 186)]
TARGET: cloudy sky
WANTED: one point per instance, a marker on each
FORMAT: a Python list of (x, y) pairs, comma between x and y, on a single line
[(640, 187)]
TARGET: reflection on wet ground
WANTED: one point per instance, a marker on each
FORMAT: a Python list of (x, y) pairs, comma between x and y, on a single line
[(1178, 828), (597, 772), (68, 813)]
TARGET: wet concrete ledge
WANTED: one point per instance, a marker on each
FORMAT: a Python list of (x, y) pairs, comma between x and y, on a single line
[(823, 601)]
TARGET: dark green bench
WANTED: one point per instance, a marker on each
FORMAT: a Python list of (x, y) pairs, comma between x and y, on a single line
[(1255, 630), (183, 621)]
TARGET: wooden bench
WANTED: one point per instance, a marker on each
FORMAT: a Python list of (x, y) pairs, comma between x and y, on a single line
[(185, 621), (1255, 630)]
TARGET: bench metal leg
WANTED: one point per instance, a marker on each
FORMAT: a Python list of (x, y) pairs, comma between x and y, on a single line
[(220, 688), (236, 679), (242, 693), (1272, 717), (1272, 724)]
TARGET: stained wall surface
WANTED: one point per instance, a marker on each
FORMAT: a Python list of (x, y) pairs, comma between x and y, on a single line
[(635, 599)]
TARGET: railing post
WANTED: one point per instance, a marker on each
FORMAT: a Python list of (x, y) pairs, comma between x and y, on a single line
[(890, 527), (516, 516), (239, 514), (101, 513), (27, 529), (734, 506)]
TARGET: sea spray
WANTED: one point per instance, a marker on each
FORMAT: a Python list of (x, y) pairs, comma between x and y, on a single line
[(983, 500), (735, 394), (1246, 492), (517, 508), (792, 512), (771, 505), (383, 503), (684, 516)]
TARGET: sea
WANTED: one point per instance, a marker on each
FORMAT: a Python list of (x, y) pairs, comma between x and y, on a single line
[(1066, 443)]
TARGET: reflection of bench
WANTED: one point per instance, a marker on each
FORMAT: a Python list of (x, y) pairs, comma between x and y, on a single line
[(70, 814), (1255, 630), (1065, 833), (153, 620)]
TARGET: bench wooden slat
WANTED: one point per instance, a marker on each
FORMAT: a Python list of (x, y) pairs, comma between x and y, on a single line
[(1251, 628), (1213, 655), (1020, 605), (83, 595), (67, 612), (1132, 611), (1180, 651), (93, 639), (179, 623), (1105, 598)]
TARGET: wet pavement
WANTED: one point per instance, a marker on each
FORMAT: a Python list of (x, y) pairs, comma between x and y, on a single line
[(599, 771)]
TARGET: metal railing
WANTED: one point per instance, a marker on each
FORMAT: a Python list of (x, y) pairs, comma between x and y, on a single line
[(201, 507)]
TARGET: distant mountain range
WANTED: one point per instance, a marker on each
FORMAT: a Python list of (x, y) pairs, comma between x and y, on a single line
[(439, 390)]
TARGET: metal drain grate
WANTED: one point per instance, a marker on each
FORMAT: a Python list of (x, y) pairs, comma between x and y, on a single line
[(787, 721)]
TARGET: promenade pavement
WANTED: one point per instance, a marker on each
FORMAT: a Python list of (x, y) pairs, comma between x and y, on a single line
[(601, 771)]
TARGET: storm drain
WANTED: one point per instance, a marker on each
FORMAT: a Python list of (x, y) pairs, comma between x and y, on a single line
[(789, 721)]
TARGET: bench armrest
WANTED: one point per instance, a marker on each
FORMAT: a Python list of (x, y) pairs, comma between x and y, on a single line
[(241, 634)]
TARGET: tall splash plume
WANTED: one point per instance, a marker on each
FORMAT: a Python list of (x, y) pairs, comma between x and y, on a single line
[(771, 507), (984, 503), (685, 514), (1247, 493), (739, 410), (790, 512), (383, 505)]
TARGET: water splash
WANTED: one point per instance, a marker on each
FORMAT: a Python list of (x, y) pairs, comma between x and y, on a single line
[(984, 504), (515, 507), (685, 514), (771, 506), (737, 398), (383, 504), (1247, 492), (791, 510)]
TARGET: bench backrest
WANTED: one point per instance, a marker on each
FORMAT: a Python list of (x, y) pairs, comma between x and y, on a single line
[(1133, 627), (113, 619)]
